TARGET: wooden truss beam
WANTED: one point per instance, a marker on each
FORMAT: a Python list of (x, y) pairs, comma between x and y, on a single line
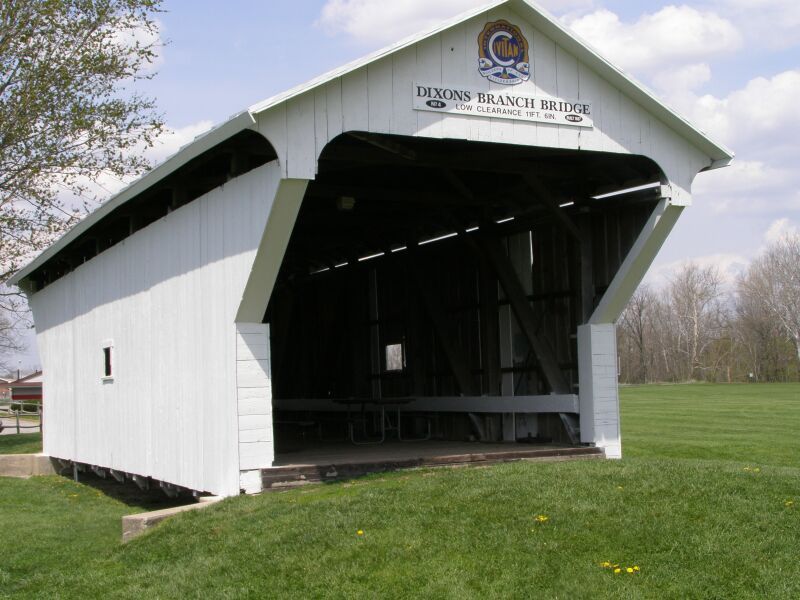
[(441, 325), (490, 247), (547, 200)]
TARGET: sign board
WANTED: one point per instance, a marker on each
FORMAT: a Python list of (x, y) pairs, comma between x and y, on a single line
[(501, 105)]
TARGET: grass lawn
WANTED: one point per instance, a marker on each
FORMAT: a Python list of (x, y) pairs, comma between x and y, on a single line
[(24, 443), (701, 503)]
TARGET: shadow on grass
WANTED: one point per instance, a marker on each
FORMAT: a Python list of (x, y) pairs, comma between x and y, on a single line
[(129, 493)]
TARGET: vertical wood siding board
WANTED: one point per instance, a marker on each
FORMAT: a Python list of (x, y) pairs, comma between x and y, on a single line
[(453, 67), (272, 125), (544, 59), (333, 103), (502, 130), (201, 292), (664, 143), (214, 246), (589, 90), (228, 410), (355, 101), (429, 70), (380, 95), (478, 128), (301, 147), (404, 117), (631, 123), (568, 88), (609, 101), (320, 119)]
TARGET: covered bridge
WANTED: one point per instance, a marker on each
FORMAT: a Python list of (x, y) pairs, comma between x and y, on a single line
[(431, 244)]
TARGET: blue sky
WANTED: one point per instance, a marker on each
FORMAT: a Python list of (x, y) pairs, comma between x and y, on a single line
[(730, 66)]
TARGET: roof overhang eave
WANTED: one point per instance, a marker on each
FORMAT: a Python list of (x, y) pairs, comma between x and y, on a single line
[(193, 149)]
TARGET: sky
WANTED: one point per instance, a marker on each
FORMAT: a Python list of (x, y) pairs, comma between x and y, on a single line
[(732, 67)]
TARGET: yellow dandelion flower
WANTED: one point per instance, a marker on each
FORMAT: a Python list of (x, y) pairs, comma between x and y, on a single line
[(636, 568), (605, 564), (629, 569), (617, 571), (542, 519), (360, 532)]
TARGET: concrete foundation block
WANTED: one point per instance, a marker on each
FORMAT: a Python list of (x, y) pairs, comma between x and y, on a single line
[(135, 525), (27, 465)]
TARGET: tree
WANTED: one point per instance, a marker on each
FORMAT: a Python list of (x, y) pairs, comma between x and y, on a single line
[(9, 339), (68, 112), (635, 329), (695, 295), (774, 279)]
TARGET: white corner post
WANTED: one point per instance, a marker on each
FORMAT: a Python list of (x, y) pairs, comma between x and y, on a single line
[(253, 353), (597, 339), (254, 403)]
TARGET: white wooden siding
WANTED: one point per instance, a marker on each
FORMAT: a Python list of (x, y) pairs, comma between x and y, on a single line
[(378, 98), (168, 296), (599, 393), (254, 396)]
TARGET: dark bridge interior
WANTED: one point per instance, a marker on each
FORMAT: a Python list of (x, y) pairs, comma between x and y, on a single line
[(427, 268)]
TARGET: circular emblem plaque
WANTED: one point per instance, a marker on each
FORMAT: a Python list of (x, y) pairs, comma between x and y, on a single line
[(503, 53)]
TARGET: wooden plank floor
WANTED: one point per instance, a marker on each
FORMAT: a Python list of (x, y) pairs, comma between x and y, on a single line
[(331, 461)]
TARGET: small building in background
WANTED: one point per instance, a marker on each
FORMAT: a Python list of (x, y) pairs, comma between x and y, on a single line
[(27, 389)]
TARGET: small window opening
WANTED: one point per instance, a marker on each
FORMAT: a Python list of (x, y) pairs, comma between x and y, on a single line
[(107, 362), (395, 360)]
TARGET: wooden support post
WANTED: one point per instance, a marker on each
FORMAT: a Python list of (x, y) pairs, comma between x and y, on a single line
[(374, 336), (587, 269), (508, 278), (134, 224), (238, 164), (440, 321), (416, 346), (490, 334), (179, 198)]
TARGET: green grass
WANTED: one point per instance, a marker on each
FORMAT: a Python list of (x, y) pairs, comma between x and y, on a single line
[(736, 422), (686, 505), (24, 443)]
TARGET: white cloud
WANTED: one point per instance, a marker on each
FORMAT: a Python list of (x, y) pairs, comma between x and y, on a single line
[(683, 78), (143, 37), (382, 22), (764, 112), (745, 178), (749, 188), (671, 37), (780, 229), (768, 23)]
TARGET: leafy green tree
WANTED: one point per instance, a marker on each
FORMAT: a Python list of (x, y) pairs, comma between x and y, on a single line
[(69, 112)]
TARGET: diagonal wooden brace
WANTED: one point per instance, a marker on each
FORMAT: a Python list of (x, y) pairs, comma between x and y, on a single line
[(507, 276)]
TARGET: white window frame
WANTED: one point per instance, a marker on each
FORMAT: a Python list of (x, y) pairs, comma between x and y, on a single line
[(108, 345)]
